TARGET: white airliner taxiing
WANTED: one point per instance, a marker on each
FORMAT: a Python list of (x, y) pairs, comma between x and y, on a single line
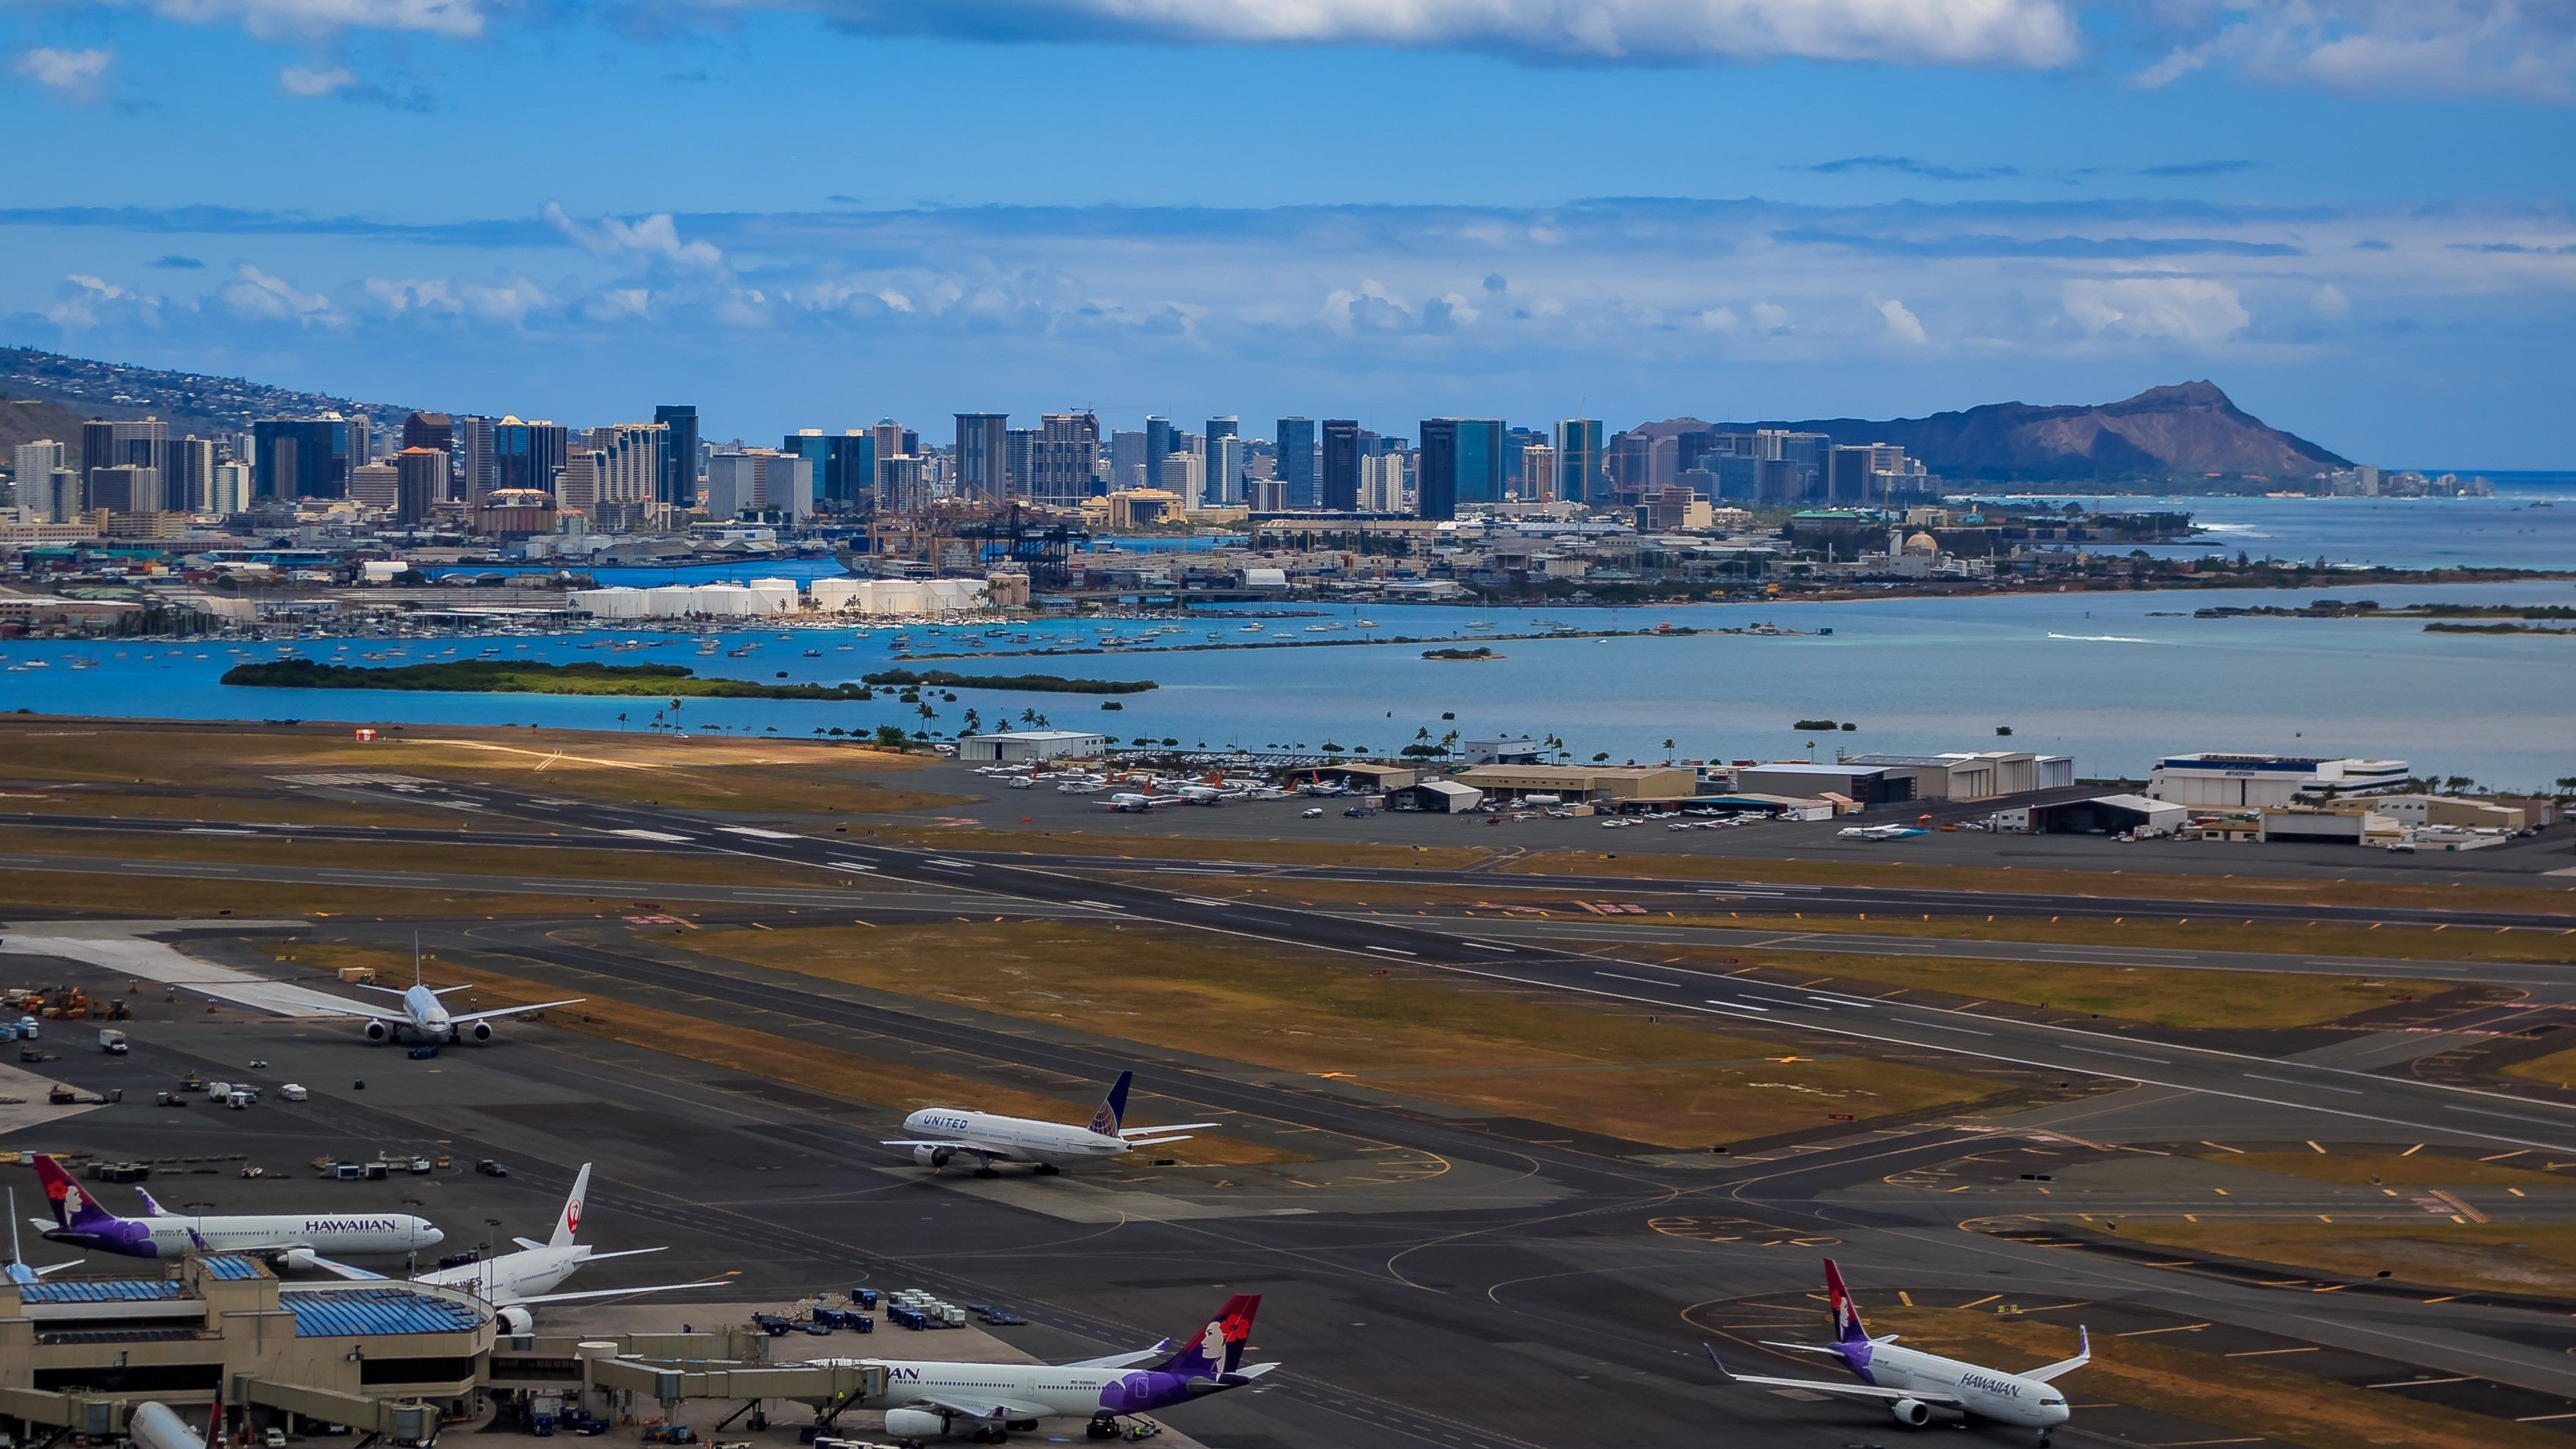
[(296, 1240), (515, 1283), (427, 1018), (1912, 1383), (1128, 802), (949, 1132)]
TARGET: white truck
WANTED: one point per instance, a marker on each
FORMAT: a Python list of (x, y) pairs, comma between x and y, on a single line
[(112, 1043)]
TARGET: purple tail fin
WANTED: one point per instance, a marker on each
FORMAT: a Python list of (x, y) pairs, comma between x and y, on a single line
[(73, 1206), (1113, 1108), (1848, 1329), (1217, 1348)]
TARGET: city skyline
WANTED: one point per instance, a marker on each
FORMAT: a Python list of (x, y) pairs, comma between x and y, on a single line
[(1761, 209)]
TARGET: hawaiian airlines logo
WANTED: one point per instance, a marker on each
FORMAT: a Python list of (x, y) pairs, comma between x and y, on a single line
[(68, 1193)]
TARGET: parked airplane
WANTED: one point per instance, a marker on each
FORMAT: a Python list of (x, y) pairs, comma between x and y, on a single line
[(514, 1283), (1880, 832), (424, 1015), (989, 1400), (1127, 802), (1048, 1145), (1912, 1383), (17, 1270), (291, 1239)]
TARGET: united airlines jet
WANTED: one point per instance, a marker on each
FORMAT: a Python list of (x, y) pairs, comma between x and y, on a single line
[(948, 1132)]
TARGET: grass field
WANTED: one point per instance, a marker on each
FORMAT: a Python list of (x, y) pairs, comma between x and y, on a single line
[(38, 894), (1527, 1056), (2389, 1169), (2494, 1257), (896, 1087), (2557, 1069), (2246, 1396), (481, 857), (2217, 889), (2485, 943), (788, 776), (2163, 997), (1164, 847)]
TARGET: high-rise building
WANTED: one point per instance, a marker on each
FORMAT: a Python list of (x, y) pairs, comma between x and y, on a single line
[(189, 474), (1161, 440), (760, 481), (632, 464), (844, 464), (1852, 472), (422, 483), (903, 484), (126, 442), (474, 462), (377, 486), (1382, 483), (1538, 473), (1578, 460), (887, 439), (306, 457), (35, 464), (1184, 476), (983, 455), (1223, 487), (679, 481), (1063, 459), (527, 454), (576, 484), (1127, 460), (230, 490), (1019, 457), (1461, 462), (1225, 427), (1338, 487), (437, 433), (1297, 461)]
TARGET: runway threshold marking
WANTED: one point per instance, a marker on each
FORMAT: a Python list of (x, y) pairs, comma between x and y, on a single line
[(757, 833)]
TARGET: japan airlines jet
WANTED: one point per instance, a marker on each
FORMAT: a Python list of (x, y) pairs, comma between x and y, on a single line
[(514, 1283), (428, 1019), (295, 1240), (989, 1400), (949, 1131), (1912, 1383)]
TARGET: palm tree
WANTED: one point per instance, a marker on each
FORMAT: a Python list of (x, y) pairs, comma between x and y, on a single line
[(621, 722), (1668, 752)]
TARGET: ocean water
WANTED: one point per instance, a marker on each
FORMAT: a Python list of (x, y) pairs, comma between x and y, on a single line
[(2113, 680), (2530, 523)]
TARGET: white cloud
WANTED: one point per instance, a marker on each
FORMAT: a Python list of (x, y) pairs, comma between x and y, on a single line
[(1902, 324), (458, 18), (1771, 318), (654, 238), (85, 301), (2524, 48), (314, 82), (79, 75), (2031, 33), (2194, 310), (256, 296), (508, 303)]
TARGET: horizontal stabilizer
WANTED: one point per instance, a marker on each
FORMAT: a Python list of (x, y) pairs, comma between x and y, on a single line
[(1167, 1127), (1156, 1141), (1123, 1360), (1801, 1347), (726, 1281)]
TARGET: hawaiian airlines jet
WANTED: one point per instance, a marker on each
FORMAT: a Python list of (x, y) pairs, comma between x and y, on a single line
[(1912, 1383), (296, 1240), (948, 1131), (989, 1400), (18, 1270), (514, 1283)]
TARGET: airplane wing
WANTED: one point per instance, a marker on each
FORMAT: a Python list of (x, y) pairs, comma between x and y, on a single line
[(1836, 1386), (726, 1281), (1156, 1141), (1166, 1127), (1122, 1360), (502, 1011), (989, 1154), (2083, 1356), (987, 1409), (398, 1018), (341, 1269)]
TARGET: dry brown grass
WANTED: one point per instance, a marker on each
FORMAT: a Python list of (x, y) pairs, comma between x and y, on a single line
[(611, 868), (896, 1087), (2106, 884), (34, 893), (2482, 943), (2557, 1069), (1534, 1057), (2472, 1257), (2161, 996), (2246, 1396)]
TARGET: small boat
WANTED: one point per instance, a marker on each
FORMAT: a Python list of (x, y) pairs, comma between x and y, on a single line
[(813, 653)]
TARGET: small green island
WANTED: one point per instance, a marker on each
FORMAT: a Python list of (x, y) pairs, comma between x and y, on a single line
[(1030, 683), (510, 676), (1478, 653)]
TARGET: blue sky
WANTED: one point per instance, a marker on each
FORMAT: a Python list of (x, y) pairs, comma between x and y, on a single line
[(2353, 215)]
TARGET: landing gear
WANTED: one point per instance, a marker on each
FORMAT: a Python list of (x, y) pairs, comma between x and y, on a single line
[(1100, 1429), (1047, 1169), (986, 1172), (992, 1436)]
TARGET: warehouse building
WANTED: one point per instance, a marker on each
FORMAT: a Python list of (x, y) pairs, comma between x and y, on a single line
[(2254, 782), (1961, 775), (1024, 747), (2100, 815), (1864, 785), (1596, 784), (1436, 797)]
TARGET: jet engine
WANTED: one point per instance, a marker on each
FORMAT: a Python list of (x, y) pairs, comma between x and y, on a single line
[(378, 1031), (907, 1425), (933, 1156), (517, 1322), (482, 1031), (301, 1260), (1912, 1413)]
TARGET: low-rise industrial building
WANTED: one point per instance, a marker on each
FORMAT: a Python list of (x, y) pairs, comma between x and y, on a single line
[(1022, 747), (2254, 782), (2418, 811), (2099, 815), (1961, 775), (1360, 775), (2330, 827), (1436, 797), (1599, 784), (1863, 785)]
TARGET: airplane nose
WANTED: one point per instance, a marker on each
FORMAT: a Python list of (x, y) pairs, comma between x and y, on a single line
[(430, 1236)]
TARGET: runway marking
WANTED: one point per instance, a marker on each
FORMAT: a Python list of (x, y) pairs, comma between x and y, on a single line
[(1713, 1001), (2131, 1056), (2294, 1082), (1943, 1026), (1202, 901), (759, 834), (1392, 951), (849, 865), (2508, 1116), (2269, 1353), (2149, 1332), (1491, 946), (662, 835), (1776, 1001)]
